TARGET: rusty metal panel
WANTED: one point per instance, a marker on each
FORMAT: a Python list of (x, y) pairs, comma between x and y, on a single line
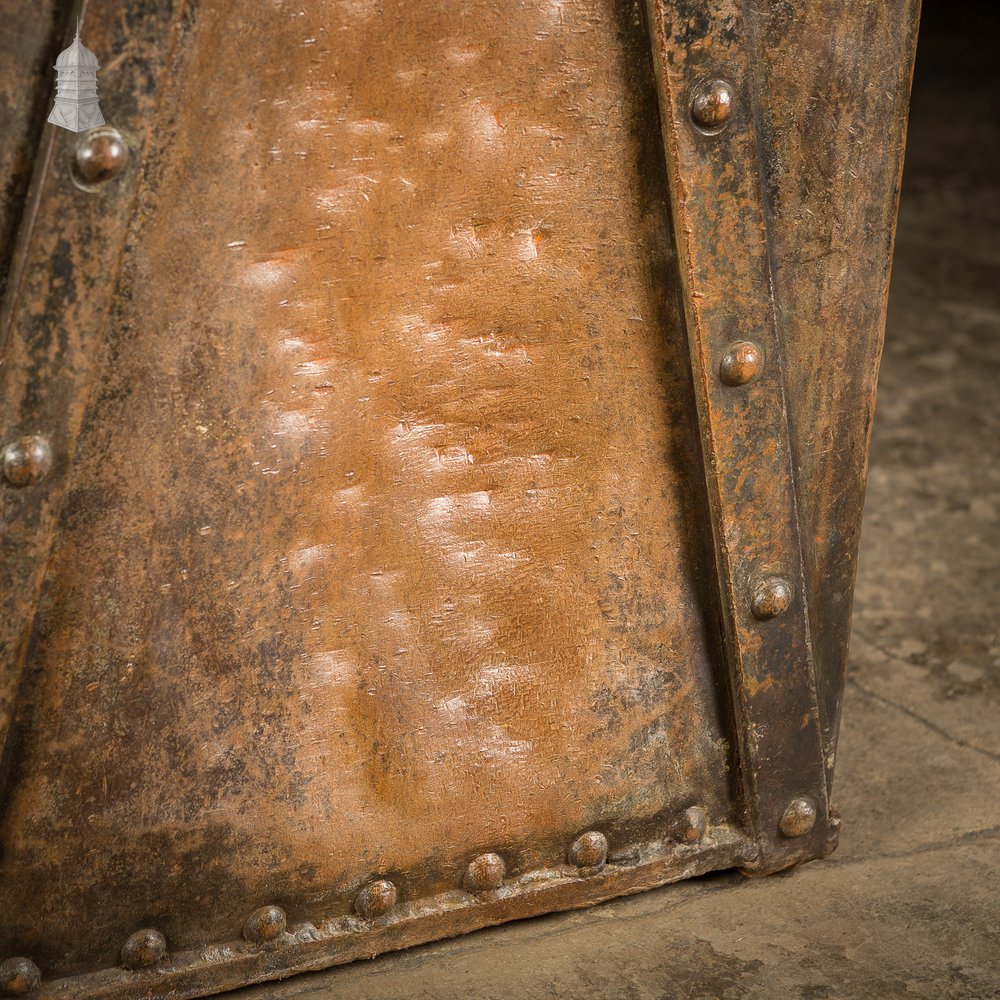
[(404, 526), (27, 49), (833, 84)]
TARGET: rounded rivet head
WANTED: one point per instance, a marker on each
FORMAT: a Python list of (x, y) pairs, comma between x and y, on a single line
[(712, 105), (19, 977), (26, 461), (770, 598), (799, 817), (265, 924), (376, 900), (484, 874), (691, 825), (100, 155), (143, 948), (589, 850), (741, 363)]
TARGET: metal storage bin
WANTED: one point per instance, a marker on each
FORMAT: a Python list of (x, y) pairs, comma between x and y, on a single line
[(435, 439)]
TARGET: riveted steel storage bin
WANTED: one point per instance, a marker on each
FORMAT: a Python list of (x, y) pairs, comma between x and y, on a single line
[(434, 439)]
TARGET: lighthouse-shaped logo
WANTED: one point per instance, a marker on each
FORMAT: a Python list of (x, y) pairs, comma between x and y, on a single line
[(76, 106)]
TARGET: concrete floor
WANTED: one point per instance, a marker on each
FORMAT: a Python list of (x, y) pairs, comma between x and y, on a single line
[(908, 906)]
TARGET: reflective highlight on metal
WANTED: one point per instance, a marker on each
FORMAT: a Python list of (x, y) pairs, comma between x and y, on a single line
[(741, 363), (19, 977), (265, 924), (26, 461), (712, 105), (485, 873), (771, 597), (589, 850), (799, 818), (143, 948), (376, 900), (691, 825), (100, 155)]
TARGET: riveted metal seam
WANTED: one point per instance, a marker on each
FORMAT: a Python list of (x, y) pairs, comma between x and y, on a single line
[(45, 510), (721, 233), (220, 965)]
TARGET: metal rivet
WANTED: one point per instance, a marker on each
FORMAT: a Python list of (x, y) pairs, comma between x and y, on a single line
[(376, 900), (26, 461), (712, 105), (770, 598), (143, 948), (485, 873), (100, 155), (589, 850), (19, 977), (265, 924), (799, 818), (741, 363), (691, 825)]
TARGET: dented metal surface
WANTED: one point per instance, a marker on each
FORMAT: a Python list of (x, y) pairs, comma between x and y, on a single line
[(418, 546)]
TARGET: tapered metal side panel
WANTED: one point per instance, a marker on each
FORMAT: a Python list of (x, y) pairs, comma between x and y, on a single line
[(403, 509), (703, 68), (27, 50), (58, 293), (832, 85)]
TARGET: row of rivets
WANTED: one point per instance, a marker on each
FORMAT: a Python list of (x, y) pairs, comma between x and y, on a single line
[(486, 873), (100, 154), (711, 109)]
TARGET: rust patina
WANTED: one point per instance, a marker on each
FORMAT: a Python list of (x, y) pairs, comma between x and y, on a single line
[(434, 439)]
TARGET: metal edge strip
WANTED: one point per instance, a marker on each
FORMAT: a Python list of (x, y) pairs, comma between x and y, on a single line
[(68, 256), (704, 81), (304, 946)]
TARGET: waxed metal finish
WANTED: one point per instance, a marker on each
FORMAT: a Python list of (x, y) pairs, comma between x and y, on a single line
[(420, 543)]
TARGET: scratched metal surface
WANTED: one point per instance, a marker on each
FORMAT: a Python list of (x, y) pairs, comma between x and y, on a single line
[(59, 290), (833, 79), (392, 458), (27, 51)]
